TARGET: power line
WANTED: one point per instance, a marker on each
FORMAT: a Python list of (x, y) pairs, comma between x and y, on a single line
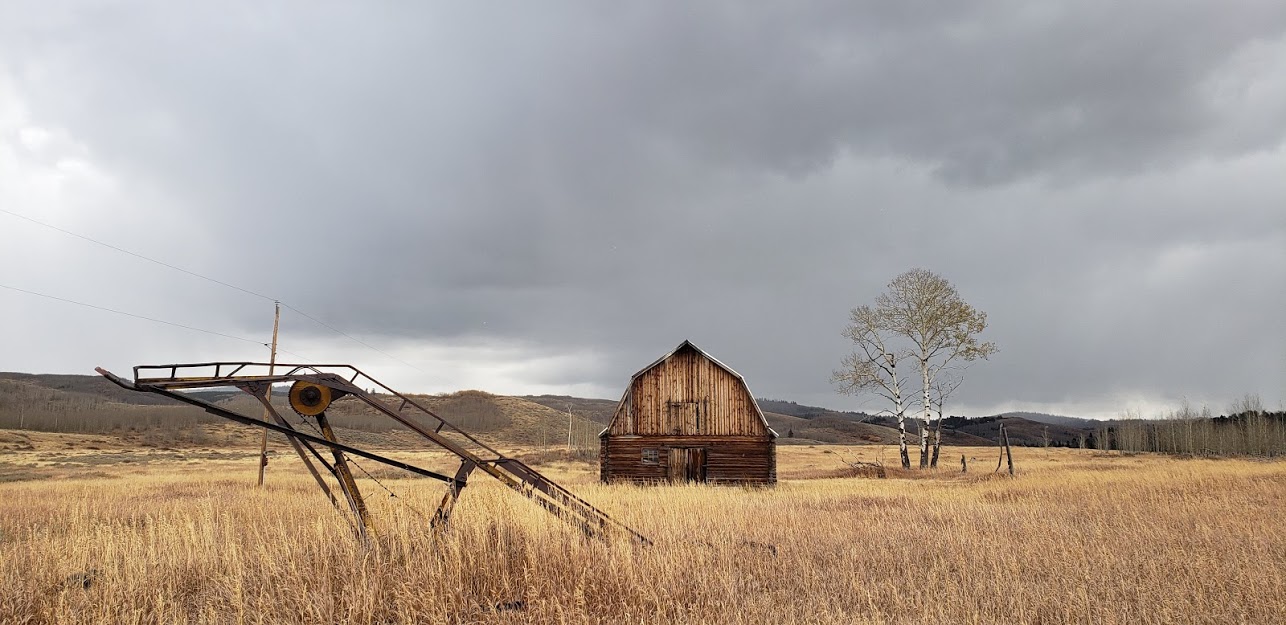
[(135, 255), (302, 357), (209, 279), (306, 359), (128, 314), (353, 338), (353, 461)]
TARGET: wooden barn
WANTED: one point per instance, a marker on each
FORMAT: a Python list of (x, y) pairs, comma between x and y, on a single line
[(688, 418)]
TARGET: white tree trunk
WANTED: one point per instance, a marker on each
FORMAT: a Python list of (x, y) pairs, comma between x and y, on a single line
[(906, 457), (927, 419), (900, 411)]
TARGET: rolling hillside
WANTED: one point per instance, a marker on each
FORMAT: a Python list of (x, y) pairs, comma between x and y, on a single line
[(1079, 423), (809, 424), (1022, 432), (88, 388), (494, 419), (596, 410), (91, 404)]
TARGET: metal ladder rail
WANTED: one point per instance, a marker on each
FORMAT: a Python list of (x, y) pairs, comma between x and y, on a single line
[(556, 499), (557, 492), (288, 431), (511, 472), (166, 385), (349, 381)]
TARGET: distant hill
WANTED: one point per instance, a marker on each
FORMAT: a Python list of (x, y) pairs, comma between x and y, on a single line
[(493, 419), (792, 409), (88, 387), (834, 426), (1025, 428), (848, 430), (827, 430), (1053, 419), (1022, 432), (89, 403), (596, 410)]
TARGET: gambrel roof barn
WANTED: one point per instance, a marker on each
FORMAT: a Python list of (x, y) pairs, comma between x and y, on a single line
[(688, 418)]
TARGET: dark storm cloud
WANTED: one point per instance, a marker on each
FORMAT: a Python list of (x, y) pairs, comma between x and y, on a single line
[(615, 178)]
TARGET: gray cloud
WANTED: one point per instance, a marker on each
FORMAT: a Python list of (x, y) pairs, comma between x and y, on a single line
[(1103, 180)]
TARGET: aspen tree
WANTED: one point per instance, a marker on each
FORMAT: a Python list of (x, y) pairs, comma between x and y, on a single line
[(873, 368), (920, 318)]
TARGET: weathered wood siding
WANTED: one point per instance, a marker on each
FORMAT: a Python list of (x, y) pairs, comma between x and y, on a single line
[(687, 401), (687, 395), (728, 459)]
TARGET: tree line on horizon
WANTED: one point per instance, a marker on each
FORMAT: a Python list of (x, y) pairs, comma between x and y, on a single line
[(911, 347)]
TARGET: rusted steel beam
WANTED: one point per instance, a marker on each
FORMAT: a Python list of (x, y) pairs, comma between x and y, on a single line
[(443, 514), (292, 373), (232, 416), (299, 446), (345, 477), (510, 472)]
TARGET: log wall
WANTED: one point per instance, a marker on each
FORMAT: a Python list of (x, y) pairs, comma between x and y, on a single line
[(728, 459)]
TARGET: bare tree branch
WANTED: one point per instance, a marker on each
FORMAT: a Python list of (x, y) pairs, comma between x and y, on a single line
[(925, 311)]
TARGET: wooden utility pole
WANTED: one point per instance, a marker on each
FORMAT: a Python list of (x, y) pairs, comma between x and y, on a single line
[(569, 429), (272, 365)]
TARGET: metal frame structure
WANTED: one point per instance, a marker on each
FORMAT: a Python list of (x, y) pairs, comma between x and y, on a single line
[(256, 380)]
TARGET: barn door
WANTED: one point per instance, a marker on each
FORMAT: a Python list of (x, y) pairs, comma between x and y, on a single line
[(696, 465), (687, 464), (685, 417), (678, 464)]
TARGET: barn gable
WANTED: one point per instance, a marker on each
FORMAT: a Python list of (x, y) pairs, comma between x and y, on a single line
[(688, 418), (688, 392)]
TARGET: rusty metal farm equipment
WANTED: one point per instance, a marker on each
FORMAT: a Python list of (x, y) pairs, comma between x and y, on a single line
[(315, 387)]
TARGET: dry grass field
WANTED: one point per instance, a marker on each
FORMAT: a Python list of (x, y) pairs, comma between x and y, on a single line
[(118, 535)]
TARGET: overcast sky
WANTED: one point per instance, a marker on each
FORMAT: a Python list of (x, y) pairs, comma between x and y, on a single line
[(544, 197)]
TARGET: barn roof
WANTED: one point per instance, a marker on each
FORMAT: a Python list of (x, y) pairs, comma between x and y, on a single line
[(716, 361)]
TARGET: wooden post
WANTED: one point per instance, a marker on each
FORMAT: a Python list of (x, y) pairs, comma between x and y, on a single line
[(1000, 444), (308, 463), (272, 365), (1009, 453), (569, 430)]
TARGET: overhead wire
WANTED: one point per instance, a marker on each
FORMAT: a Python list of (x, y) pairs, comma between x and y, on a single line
[(134, 254), (353, 461), (352, 338), (328, 326), (129, 314), (209, 279), (306, 359)]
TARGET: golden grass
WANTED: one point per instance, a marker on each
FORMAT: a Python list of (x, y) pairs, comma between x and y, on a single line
[(1076, 537)]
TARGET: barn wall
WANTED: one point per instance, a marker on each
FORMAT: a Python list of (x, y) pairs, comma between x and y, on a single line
[(688, 395), (729, 459)]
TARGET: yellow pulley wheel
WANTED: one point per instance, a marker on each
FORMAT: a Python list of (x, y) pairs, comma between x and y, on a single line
[(309, 399)]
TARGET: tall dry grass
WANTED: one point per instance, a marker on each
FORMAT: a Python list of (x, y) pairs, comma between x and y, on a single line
[(1078, 536)]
